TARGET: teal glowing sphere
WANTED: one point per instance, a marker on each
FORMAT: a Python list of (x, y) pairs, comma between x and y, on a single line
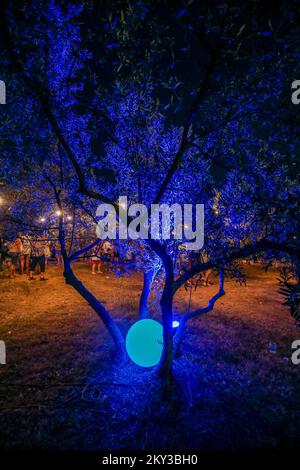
[(144, 343)]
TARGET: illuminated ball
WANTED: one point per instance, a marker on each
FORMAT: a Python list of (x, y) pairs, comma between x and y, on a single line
[(144, 343)]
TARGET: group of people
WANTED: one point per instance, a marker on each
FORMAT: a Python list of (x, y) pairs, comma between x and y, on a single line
[(102, 254), (27, 255)]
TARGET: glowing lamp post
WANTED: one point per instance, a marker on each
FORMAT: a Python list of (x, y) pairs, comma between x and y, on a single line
[(144, 343)]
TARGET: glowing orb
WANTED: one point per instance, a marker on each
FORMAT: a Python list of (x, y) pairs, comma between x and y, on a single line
[(175, 323), (144, 343)]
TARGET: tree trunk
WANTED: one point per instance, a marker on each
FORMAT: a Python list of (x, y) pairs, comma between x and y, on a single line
[(165, 366), (143, 306), (166, 303), (101, 311)]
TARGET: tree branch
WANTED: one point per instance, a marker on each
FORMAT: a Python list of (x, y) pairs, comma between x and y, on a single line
[(198, 312), (190, 117), (247, 250)]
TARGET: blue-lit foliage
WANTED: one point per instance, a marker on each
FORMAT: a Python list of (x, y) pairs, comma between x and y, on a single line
[(103, 111)]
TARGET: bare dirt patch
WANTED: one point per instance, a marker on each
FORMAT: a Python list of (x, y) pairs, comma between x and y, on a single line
[(61, 388)]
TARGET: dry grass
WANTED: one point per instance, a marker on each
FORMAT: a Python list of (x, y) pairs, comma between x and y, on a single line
[(231, 392)]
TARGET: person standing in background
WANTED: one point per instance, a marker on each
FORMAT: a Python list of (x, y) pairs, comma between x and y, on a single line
[(47, 252), (58, 255), (15, 253), (108, 252), (37, 259), (96, 258), (25, 257)]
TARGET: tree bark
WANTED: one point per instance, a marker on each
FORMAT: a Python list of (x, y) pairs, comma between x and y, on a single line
[(166, 303), (97, 306), (166, 364), (143, 306)]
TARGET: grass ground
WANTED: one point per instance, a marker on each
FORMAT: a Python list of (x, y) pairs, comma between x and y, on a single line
[(61, 388)]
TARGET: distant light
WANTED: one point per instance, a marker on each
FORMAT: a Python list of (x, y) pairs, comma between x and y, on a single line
[(69, 217), (144, 343), (217, 212), (175, 323), (1, 200), (58, 213), (42, 219)]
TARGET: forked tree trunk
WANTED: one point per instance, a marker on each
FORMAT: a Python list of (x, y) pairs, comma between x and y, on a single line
[(166, 303)]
